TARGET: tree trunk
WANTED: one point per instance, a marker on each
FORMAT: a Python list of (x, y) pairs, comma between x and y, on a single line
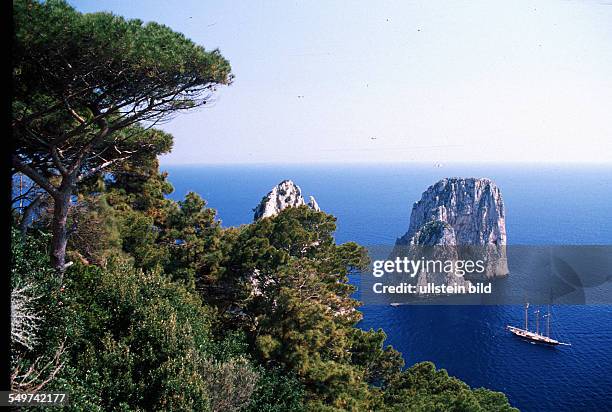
[(61, 204), (59, 228)]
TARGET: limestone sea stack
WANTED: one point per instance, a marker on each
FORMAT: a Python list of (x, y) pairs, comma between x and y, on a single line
[(285, 194), (462, 212)]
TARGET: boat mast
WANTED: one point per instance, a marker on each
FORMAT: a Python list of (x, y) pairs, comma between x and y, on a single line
[(548, 322), (537, 314), (526, 316)]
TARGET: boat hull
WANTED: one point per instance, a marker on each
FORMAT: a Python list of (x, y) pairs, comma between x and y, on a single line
[(533, 337)]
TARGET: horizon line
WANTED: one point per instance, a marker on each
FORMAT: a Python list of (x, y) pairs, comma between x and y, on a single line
[(392, 163)]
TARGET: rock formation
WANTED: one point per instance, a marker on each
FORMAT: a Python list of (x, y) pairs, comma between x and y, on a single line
[(313, 204), (285, 194), (472, 207), (459, 219)]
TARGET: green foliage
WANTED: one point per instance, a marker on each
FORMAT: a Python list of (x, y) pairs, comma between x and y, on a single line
[(423, 388), (277, 392), (193, 236), (29, 258), (139, 239), (87, 90), (145, 345), (289, 280), (230, 384), (119, 59), (96, 234), (140, 186), (103, 67), (382, 364), (182, 238), (31, 272)]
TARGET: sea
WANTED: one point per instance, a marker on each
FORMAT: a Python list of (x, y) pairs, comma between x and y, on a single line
[(545, 205)]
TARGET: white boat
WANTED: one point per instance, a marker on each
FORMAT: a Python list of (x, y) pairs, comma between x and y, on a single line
[(536, 336)]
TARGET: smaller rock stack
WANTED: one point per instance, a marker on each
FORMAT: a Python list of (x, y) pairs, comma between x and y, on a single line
[(285, 194)]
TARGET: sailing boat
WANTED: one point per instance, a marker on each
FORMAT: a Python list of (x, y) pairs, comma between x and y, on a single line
[(536, 336)]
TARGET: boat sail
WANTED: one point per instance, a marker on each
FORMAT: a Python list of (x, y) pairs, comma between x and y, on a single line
[(536, 336)]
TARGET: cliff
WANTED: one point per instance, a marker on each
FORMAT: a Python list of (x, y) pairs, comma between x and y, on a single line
[(285, 194), (467, 213), (474, 208)]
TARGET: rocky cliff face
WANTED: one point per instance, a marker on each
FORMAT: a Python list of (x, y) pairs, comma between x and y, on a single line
[(466, 213), (285, 194), (474, 208)]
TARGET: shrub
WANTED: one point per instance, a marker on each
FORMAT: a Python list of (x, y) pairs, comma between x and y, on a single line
[(37, 343), (140, 341)]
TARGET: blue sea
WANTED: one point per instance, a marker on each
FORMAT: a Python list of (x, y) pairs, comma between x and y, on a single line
[(545, 205)]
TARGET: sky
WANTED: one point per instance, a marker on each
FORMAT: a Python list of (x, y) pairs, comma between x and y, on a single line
[(405, 81)]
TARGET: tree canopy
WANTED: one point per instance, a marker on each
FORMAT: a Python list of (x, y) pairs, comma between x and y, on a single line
[(89, 87)]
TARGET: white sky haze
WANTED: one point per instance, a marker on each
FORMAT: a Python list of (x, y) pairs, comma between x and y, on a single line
[(360, 81)]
